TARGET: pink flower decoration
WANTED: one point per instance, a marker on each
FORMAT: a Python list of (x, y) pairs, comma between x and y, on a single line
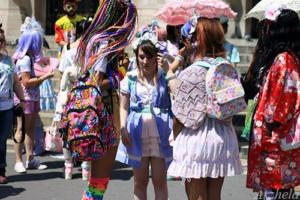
[(274, 11)]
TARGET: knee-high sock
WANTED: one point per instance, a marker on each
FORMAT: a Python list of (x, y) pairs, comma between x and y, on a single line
[(96, 189)]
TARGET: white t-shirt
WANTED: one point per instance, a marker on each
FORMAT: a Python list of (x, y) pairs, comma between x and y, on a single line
[(26, 65), (68, 60)]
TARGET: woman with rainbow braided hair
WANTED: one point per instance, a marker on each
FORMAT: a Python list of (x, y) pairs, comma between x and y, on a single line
[(110, 32)]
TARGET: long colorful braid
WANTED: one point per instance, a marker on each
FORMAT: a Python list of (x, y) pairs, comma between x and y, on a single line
[(114, 22)]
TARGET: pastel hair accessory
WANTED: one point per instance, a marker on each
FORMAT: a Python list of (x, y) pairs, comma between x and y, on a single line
[(150, 32), (30, 24), (274, 11), (189, 27)]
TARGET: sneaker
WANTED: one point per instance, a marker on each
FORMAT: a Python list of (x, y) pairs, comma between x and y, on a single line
[(3, 179), (19, 167), (68, 171), (35, 164)]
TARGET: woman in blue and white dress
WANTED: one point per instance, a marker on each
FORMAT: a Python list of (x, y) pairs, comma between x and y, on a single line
[(145, 118)]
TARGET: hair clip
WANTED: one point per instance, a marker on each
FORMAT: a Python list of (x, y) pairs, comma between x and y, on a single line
[(189, 27), (274, 11)]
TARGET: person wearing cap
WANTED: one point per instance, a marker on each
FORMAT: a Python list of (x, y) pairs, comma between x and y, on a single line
[(232, 51), (66, 25)]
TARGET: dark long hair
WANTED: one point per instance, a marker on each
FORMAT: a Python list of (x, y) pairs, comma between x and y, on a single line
[(82, 26), (150, 50), (275, 38)]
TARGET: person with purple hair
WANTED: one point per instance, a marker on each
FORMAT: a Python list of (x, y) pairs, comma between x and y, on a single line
[(29, 50)]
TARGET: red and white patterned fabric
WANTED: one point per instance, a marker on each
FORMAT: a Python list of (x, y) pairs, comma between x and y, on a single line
[(269, 166)]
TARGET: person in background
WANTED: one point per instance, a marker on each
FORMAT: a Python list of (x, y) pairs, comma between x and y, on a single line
[(232, 52), (65, 27), (9, 84), (29, 50), (70, 72), (173, 39), (274, 153)]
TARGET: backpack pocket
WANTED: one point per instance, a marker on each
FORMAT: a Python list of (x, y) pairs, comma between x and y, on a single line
[(84, 134), (230, 93)]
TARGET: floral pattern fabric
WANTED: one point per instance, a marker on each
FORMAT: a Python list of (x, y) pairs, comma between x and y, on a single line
[(269, 167)]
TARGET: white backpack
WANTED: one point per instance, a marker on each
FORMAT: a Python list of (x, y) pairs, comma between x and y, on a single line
[(225, 93)]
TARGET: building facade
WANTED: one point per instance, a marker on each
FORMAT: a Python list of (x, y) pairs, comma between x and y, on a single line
[(13, 12)]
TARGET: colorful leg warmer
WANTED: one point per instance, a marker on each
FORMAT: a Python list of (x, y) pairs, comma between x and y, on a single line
[(96, 189)]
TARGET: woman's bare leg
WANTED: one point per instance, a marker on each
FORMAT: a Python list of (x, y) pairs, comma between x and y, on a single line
[(196, 189), (18, 136), (30, 120), (214, 187), (159, 178), (141, 179)]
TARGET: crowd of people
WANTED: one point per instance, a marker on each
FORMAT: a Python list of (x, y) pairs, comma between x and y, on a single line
[(152, 126)]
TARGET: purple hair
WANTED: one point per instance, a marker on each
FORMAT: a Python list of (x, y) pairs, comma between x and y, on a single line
[(29, 42)]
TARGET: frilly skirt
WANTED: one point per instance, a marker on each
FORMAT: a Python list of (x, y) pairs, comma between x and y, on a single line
[(209, 151)]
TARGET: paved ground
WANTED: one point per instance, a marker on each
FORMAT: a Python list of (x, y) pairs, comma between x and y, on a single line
[(49, 184)]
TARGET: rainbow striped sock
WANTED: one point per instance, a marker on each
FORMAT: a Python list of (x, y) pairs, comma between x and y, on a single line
[(96, 189)]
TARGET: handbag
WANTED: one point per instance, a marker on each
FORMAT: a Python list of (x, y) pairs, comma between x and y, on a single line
[(53, 139)]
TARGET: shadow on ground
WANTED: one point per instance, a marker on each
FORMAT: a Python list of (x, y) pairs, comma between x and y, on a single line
[(8, 191), (44, 175)]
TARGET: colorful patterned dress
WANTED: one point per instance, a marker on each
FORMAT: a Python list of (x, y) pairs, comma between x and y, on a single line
[(269, 167)]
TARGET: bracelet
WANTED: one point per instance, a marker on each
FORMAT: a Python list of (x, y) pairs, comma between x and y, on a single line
[(173, 76), (180, 58)]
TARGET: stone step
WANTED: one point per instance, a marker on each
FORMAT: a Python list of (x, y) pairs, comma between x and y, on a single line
[(246, 58), (244, 151), (47, 117)]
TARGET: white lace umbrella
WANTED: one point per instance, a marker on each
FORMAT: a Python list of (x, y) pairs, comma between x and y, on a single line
[(259, 10)]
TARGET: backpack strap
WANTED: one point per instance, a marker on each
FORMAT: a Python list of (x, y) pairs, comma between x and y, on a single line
[(131, 82), (203, 63)]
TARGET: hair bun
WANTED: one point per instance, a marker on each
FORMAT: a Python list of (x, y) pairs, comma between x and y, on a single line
[(288, 18)]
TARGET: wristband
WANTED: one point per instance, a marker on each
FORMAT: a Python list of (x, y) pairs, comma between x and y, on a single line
[(179, 58), (173, 76)]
